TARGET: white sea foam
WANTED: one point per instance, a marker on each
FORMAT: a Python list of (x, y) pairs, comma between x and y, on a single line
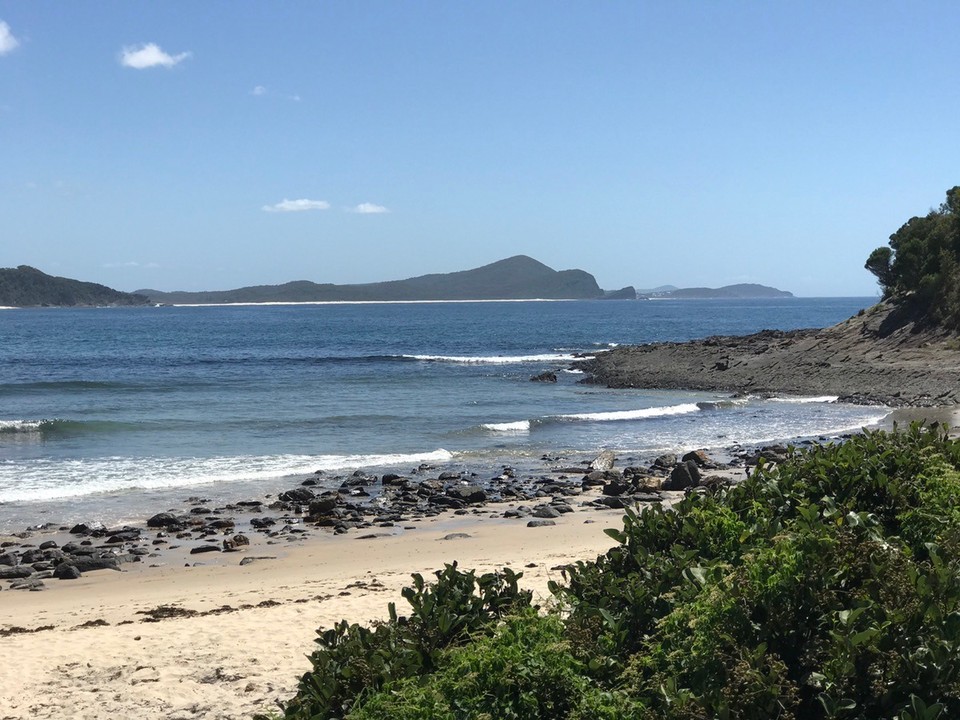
[(20, 426), (521, 426), (805, 400), (651, 412), (573, 372), (40, 479), (497, 359), (367, 302)]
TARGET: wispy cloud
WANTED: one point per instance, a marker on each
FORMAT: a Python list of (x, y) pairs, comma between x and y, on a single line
[(131, 264), (149, 55), (368, 209), (297, 205), (8, 43), (261, 90)]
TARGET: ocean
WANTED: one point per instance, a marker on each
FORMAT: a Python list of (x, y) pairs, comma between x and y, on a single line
[(113, 413)]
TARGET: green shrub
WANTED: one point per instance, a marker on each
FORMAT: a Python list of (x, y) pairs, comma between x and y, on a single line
[(353, 659), (825, 587)]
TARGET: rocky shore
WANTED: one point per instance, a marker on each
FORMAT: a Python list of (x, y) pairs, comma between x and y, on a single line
[(876, 357), (363, 506)]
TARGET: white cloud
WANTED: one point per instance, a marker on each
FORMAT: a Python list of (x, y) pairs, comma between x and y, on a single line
[(149, 55), (295, 98), (131, 264), (369, 209), (8, 43), (297, 205), (259, 90)]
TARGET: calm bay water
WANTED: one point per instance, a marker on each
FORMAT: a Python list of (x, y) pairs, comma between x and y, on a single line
[(106, 411)]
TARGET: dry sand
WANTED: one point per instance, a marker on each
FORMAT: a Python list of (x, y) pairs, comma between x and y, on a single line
[(234, 663)]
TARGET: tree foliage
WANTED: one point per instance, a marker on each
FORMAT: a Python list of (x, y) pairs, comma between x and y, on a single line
[(825, 587), (921, 266)]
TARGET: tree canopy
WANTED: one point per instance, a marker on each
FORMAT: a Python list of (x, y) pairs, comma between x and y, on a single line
[(921, 266)]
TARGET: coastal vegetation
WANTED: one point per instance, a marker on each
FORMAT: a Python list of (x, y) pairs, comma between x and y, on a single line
[(920, 267), (515, 278), (825, 586), (25, 286)]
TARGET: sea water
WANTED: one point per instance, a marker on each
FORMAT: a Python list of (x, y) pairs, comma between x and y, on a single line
[(107, 412)]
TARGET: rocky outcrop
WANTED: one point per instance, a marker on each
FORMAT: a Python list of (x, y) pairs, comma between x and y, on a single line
[(878, 356)]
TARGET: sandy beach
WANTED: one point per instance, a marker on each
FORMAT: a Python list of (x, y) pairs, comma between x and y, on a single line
[(242, 635)]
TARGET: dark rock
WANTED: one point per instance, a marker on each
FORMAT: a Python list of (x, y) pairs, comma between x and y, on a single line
[(261, 523), (546, 511), (32, 584), (392, 479), (547, 377), (300, 495), (204, 549), (455, 536), (124, 535), (684, 475), (610, 501), (595, 478), (698, 456), (665, 461), (86, 529), (164, 520), (86, 564), (616, 487), (12, 573), (66, 571), (48, 545), (540, 523), (470, 494), (9, 559), (323, 505)]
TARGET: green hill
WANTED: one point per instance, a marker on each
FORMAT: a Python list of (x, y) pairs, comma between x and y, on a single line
[(516, 278), (740, 291), (25, 286)]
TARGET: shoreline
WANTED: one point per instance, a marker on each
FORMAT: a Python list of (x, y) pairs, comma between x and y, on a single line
[(872, 358), (226, 634)]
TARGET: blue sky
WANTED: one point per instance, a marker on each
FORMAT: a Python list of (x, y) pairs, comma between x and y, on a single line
[(184, 145)]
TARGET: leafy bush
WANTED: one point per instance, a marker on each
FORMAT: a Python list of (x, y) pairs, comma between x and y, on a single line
[(353, 659), (921, 266), (825, 587)]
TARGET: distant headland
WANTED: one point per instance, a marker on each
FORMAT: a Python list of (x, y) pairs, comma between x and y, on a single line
[(515, 278), (25, 286)]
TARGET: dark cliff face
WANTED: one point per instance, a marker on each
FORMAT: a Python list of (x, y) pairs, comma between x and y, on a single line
[(25, 286), (516, 278)]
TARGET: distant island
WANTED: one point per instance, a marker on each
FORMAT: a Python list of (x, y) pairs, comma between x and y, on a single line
[(515, 278), (743, 291), (25, 286)]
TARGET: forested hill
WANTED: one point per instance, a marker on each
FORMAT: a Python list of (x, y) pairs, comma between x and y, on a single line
[(516, 278), (25, 286), (742, 291)]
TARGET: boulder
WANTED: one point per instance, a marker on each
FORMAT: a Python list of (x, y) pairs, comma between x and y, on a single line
[(665, 461), (470, 494), (13, 573), (204, 549), (610, 501), (684, 475), (299, 495), (698, 456), (604, 461), (162, 520), (66, 571), (86, 564), (547, 377), (546, 511), (540, 523)]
